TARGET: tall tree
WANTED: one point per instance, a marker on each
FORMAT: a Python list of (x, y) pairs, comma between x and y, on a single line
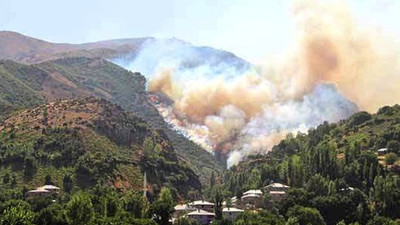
[(17, 215), (79, 209), (68, 183), (218, 199), (163, 207)]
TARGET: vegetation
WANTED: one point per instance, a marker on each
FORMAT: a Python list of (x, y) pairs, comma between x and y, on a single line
[(24, 86), (334, 171), (85, 142), (97, 153)]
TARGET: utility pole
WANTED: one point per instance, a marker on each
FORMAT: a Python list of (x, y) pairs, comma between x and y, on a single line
[(145, 184)]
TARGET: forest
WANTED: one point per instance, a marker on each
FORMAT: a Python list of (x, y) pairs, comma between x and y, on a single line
[(334, 171)]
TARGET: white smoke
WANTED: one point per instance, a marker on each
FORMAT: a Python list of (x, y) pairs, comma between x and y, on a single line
[(226, 104)]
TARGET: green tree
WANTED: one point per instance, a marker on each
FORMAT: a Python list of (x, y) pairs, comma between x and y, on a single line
[(393, 146), (45, 114), (47, 180), (254, 180), (257, 218), (6, 178), (14, 180), (218, 199), (109, 204), (136, 204), (163, 207), (17, 215), (390, 158), (318, 185), (79, 209), (187, 221), (30, 166), (382, 221), (52, 215), (68, 183), (305, 215), (212, 180)]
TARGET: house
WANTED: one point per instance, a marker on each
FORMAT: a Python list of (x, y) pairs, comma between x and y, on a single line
[(253, 192), (182, 209), (382, 151), (250, 199), (347, 189), (51, 188), (203, 217), (277, 191), (231, 213), (276, 187), (46, 190), (251, 196), (277, 196), (203, 205), (234, 199), (38, 192)]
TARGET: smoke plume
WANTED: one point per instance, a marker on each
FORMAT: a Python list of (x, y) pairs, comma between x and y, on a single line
[(229, 106)]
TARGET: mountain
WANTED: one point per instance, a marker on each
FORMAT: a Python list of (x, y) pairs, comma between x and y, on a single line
[(94, 141), (25, 49), (333, 169), (66, 78), (330, 149), (21, 48)]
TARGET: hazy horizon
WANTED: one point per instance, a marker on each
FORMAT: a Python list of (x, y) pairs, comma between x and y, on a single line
[(252, 30)]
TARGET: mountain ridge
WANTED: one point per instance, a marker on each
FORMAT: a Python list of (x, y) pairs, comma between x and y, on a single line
[(69, 78), (96, 141)]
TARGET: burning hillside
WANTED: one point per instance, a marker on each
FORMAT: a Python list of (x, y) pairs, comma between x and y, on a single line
[(334, 69)]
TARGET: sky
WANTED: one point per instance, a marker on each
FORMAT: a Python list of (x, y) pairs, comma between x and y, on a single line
[(250, 29)]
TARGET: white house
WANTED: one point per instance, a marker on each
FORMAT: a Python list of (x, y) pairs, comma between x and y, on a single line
[(251, 196), (277, 187), (203, 217), (203, 205), (45, 190), (182, 209), (382, 151), (253, 192), (231, 213), (51, 188), (38, 192), (277, 196)]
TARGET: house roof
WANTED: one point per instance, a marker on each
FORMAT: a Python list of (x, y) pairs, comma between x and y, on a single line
[(277, 185), (250, 196), (232, 210), (347, 189), (200, 213), (277, 193), (183, 207), (382, 150), (201, 202), (38, 191), (256, 192), (49, 187)]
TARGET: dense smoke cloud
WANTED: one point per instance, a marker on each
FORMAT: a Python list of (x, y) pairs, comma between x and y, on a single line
[(226, 105)]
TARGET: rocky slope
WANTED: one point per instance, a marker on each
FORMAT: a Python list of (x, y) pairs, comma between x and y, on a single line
[(29, 85), (94, 141)]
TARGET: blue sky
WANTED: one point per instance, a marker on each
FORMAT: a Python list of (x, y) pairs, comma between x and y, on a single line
[(251, 29)]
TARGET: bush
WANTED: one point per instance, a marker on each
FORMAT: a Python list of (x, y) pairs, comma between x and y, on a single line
[(390, 158), (393, 146), (359, 118)]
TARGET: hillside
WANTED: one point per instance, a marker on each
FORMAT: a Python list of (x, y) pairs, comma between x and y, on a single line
[(93, 141), (21, 48), (29, 85), (29, 50), (329, 144), (334, 168)]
